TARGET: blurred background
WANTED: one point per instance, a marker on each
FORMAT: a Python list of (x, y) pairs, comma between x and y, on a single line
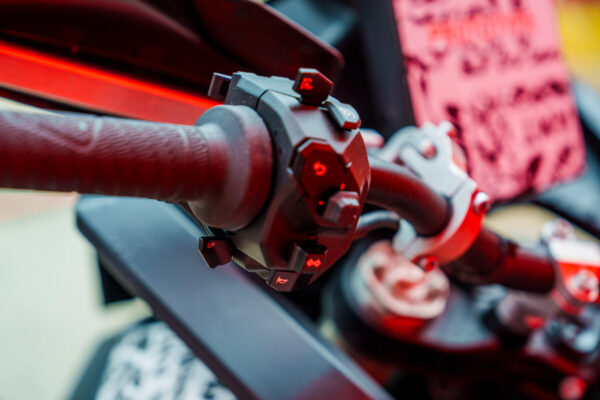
[(579, 22)]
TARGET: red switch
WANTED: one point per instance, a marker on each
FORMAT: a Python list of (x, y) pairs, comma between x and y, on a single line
[(319, 168), (308, 261), (313, 262), (343, 208), (344, 115), (283, 281), (216, 251), (306, 83), (312, 86)]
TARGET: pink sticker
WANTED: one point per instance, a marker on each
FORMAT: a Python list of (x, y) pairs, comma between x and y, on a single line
[(494, 69)]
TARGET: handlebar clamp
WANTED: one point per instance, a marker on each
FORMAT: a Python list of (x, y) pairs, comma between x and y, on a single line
[(428, 152)]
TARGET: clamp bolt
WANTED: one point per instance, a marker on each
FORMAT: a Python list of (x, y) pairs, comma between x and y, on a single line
[(427, 149), (558, 229), (481, 203), (584, 286), (428, 263)]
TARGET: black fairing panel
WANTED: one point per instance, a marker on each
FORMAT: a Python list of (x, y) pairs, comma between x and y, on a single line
[(183, 41)]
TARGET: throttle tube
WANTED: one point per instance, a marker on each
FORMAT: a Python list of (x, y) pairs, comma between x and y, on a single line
[(493, 259), (227, 153), (396, 188)]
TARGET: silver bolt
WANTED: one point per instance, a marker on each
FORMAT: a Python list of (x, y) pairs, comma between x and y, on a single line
[(482, 203), (584, 286), (562, 229), (452, 133), (428, 262), (557, 229), (427, 149)]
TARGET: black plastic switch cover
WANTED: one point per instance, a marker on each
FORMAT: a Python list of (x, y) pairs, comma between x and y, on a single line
[(312, 86), (309, 261), (343, 114), (215, 251)]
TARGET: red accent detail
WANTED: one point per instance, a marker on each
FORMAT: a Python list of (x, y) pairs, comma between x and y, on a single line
[(321, 202), (534, 322), (306, 83), (313, 263), (405, 325), (572, 387), (89, 87), (569, 269), (342, 186), (319, 168), (210, 245), (281, 281)]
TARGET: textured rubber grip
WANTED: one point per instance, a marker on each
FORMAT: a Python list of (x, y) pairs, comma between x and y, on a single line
[(102, 155)]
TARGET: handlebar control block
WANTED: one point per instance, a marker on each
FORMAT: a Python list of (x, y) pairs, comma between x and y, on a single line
[(319, 183)]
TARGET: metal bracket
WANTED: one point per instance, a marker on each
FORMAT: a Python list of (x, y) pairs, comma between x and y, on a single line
[(251, 343), (428, 152)]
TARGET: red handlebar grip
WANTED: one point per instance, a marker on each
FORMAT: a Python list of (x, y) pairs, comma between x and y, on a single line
[(102, 155), (222, 166)]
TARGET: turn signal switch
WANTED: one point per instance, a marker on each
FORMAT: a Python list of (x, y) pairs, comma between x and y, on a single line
[(319, 184)]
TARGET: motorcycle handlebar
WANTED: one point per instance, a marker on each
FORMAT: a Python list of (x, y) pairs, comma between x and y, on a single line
[(494, 259), (396, 188), (490, 259), (219, 167)]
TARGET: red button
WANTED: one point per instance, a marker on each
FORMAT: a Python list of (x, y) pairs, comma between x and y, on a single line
[(312, 86), (317, 167), (302, 260), (283, 281)]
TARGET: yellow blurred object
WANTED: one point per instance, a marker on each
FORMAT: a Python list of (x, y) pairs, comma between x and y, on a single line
[(580, 29)]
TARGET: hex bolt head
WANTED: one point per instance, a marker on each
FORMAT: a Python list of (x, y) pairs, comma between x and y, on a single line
[(481, 203), (427, 148), (428, 262), (558, 229), (584, 286)]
